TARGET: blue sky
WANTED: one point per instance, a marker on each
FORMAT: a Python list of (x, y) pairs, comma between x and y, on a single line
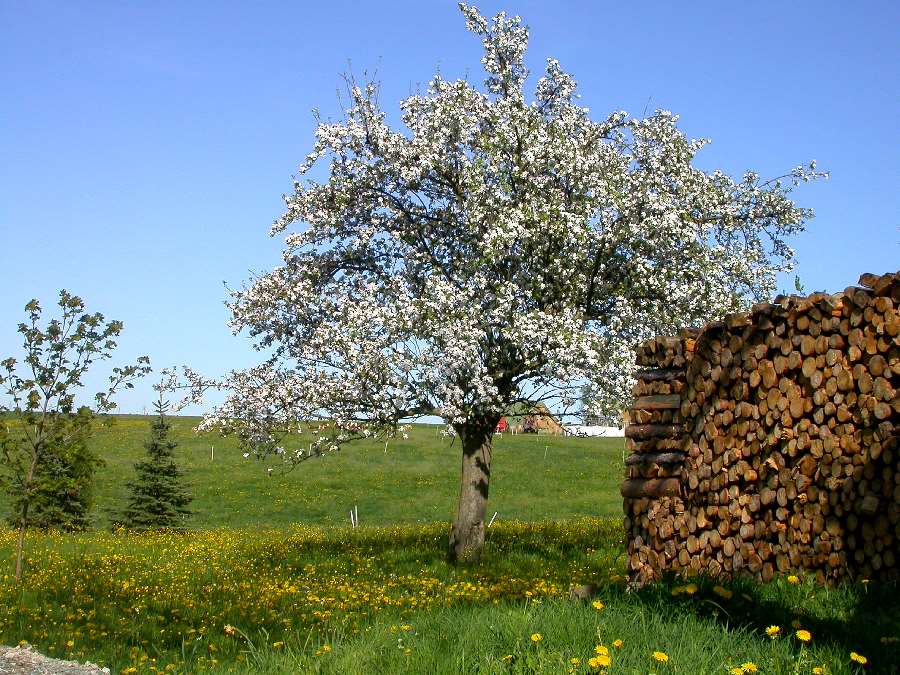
[(145, 146)]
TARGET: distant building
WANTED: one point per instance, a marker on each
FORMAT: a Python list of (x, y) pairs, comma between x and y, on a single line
[(536, 419)]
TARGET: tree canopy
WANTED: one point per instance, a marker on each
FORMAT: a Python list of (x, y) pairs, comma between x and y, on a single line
[(494, 250)]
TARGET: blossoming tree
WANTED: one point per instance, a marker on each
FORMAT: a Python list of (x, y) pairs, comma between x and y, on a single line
[(495, 251)]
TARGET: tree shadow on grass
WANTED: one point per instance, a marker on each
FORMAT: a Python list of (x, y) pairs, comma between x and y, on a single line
[(860, 617)]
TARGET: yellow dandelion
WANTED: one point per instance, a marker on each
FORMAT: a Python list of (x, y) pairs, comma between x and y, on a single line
[(536, 637), (508, 658), (773, 631), (70, 644), (803, 635), (277, 645), (859, 658), (722, 592), (618, 644), (575, 662), (735, 671), (793, 579), (603, 660), (597, 605), (819, 670), (749, 667), (660, 657), (600, 650)]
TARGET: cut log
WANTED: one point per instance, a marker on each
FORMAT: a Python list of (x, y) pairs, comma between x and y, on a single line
[(647, 431), (636, 488), (659, 375), (657, 402), (655, 458)]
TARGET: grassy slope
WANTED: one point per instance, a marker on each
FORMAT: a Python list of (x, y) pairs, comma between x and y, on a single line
[(415, 480)]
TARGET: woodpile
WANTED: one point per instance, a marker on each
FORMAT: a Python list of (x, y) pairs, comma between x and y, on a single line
[(768, 442)]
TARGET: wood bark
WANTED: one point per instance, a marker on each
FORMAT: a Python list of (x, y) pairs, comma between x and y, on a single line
[(467, 532), (768, 442)]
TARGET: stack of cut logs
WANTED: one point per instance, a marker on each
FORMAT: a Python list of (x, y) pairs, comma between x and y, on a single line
[(770, 441)]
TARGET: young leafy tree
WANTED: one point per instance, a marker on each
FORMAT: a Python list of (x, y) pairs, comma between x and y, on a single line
[(494, 251), (157, 499), (63, 487), (41, 421)]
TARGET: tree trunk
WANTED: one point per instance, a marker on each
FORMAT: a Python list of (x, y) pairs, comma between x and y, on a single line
[(23, 518), (20, 544), (467, 534)]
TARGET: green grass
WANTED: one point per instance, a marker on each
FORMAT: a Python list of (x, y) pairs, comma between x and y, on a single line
[(148, 601), (272, 556), (412, 481)]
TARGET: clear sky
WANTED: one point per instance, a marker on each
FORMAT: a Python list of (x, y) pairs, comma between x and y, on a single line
[(145, 146)]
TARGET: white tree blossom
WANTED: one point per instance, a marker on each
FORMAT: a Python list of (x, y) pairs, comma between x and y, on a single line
[(494, 250)]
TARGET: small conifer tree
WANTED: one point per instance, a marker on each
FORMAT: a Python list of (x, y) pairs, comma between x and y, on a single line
[(157, 499)]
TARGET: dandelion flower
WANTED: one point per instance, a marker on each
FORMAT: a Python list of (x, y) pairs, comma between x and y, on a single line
[(722, 592), (749, 667), (819, 670), (536, 637), (803, 635), (600, 650), (689, 589), (735, 671), (600, 661), (859, 658), (793, 579), (618, 644), (575, 662), (597, 605), (773, 631), (660, 657)]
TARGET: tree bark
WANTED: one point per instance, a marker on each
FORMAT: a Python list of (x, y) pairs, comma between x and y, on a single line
[(23, 518), (467, 533)]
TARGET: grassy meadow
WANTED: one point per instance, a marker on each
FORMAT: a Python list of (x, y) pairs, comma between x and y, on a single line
[(271, 579), (412, 480)]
